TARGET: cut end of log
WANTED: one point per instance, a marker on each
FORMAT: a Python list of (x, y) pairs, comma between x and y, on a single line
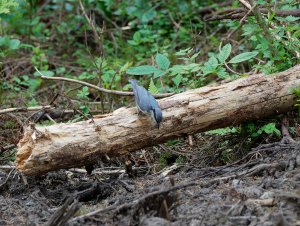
[(25, 146)]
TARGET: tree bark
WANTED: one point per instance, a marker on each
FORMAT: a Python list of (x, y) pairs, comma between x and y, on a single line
[(44, 149)]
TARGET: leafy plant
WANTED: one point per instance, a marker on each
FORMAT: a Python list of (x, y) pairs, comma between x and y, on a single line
[(6, 6), (7, 45), (222, 131), (269, 128), (83, 93), (181, 72)]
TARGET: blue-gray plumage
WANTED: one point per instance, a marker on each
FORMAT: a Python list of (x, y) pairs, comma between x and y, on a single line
[(145, 101)]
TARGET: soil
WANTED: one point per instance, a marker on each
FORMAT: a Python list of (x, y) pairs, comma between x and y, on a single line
[(262, 188)]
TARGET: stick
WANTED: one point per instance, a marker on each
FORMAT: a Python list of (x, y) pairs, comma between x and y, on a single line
[(116, 92)]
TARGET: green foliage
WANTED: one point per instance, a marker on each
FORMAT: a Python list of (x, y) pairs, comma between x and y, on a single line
[(31, 83), (222, 131), (163, 158), (269, 128), (142, 70), (224, 53), (278, 51), (83, 93), (8, 46), (242, 57), (6, 6), (181, 72), (152, 88), (162, 61)]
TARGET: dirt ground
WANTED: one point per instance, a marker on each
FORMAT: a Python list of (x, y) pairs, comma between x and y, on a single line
[(262, 188)]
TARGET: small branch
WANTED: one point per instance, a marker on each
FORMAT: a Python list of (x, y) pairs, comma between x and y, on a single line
[(210, 9), (92, 25), (245, 3), (64, 213), (22, 109), (7, 148), (263, 26), (231, 70), (116, 92), (240, 13), (242, 21), (286, 136)]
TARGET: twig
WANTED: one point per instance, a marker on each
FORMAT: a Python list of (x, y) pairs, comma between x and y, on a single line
[(5, 167), (135, 202), (263, 26), (64, 213), (240, 13), (286, 136), (245, 3), (92, 25), (7, 148), (6, 179), (242, 21), (210, 9), (44, 112), (231, 70), (116, 92), (23, 109)]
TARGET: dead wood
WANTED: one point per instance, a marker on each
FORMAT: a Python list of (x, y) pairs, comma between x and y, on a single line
[(44, 149), (239, 13), (64, 213)]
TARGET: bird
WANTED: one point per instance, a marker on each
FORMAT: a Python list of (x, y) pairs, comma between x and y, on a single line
[(145, 102)]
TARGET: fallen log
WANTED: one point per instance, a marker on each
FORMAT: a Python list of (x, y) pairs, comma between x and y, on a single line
[(44, 149)]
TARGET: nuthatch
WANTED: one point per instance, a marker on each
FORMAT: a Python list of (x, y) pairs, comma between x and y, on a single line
[(145, 102)]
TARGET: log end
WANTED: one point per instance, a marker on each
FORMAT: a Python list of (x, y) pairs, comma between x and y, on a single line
[(25, 147)]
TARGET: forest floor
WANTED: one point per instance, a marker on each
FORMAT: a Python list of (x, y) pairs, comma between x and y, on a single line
[(262, 188)]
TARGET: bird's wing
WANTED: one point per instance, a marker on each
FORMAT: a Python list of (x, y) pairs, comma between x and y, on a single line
[(152, 100), (143, 99)]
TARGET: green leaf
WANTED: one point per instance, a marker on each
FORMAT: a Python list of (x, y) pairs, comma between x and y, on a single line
[(292, 18), (137, 37), (212, 62), (6, 6), (176, 69), (224, 53), (124, 67), (223, 131), (83, 93), (4, 41), (162, 61), (32, 103), (60, 70), (210, 66), (142, 70), (222, 73), (177, 80), (152, 88), (193, 67), (195, 55), (243, 57), (270, 128), (45, 73), (183, 52), (159, 73), (149, 15), (14, 44)]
